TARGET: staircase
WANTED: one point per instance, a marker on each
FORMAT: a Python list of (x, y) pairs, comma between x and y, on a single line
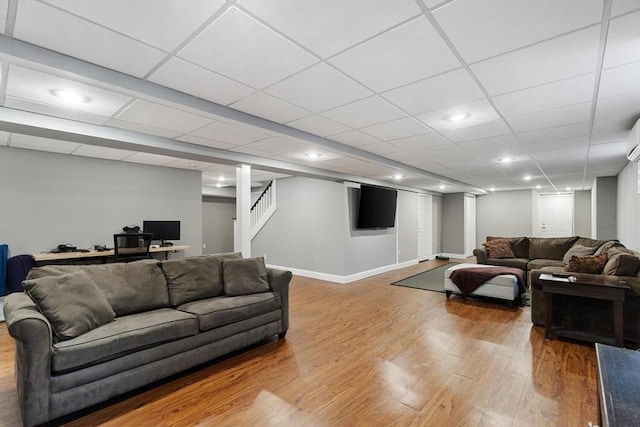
[(263, 208)]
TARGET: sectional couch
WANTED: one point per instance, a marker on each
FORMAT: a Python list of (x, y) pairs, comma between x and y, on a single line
[(85, 334)]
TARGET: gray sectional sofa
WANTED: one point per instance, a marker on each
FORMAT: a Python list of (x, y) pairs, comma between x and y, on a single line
[(85, 334)]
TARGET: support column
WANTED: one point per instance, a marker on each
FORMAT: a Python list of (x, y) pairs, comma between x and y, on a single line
[(242, 239)]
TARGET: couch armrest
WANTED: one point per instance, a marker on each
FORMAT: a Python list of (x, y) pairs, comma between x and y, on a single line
[(33, 336), (481, 255), (279, 282)]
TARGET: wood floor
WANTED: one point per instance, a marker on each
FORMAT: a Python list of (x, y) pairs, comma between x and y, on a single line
[(369, 354)]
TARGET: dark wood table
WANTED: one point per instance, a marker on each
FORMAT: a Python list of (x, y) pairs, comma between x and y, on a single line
[(602, 287), (618, 386)]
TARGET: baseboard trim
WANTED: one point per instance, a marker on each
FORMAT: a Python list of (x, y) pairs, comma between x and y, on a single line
[(334, 278), (454, 255)]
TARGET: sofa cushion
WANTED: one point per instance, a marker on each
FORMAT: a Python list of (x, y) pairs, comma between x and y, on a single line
[(499, 248), (220, 311), (71, 302), (549, 247), (123, 335), (129, 287), (509, 262), (519, 245), (622, 262), (244, 276), (588, 264), (541, 263), (579, 251), (610, 244), (589, 242)]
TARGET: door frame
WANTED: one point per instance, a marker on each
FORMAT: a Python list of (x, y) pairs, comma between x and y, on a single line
[(535, 214)]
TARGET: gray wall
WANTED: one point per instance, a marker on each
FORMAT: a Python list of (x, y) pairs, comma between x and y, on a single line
[(50, 198), (407, 226), (217, 224), (453, 223), (503, 213), (606, 207), (629, 206), (582, 213), (436, 220)]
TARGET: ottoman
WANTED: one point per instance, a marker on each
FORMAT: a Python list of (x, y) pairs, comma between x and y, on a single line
[(504, 287)]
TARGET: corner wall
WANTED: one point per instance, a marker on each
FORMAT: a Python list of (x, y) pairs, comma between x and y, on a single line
[(217, 224), (628, 215)]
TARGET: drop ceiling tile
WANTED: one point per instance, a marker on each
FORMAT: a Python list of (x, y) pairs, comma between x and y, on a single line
[(553, 95), (354, 138), (551, 118), (280, 146), (566, 156), (319, 88), (135, 127), (501, 146), (250, 151), (606, 138), (485, 130), (614, 124), (206, 142), (618, 7), (403, 55), (31, 85), (397, 129), (445, 90), (480, 112), (160, 116), (3, 14), (556, 59), (343, 162), (43, 144), (623, 40), (299, 154), (239, 46), (50, 110), (102, 152), (43, 25), (226, 132), (318, 125), (442, 153), (150, 159), (330, 27), (200, 82), (381, 148), (269, 107), (401, 156), (553, 144), (614, 151), (616, 106), (365, 112), (576, 130), (480, 29), (623, 80), (418, 142)]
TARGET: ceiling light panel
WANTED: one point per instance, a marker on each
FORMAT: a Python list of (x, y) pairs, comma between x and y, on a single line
[(365, 112), (445, 90), (227, 132), (271, 108), (480, 112), (160, 116), (623, 45), (197, 81), (396, 129), (403, 55), (36, 86), (553, 95), (319, 88), (43, 144), (483, 28), (556, 59), (239, 46), (43, 25), (143, 20)]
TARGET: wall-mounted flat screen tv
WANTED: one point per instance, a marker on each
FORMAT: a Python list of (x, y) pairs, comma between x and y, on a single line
[(162, 230), (377, 207)]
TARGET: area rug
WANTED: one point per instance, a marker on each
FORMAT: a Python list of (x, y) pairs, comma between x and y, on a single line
[(433, 280)]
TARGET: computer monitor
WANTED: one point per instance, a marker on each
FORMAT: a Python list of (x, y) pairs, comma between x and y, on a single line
[(162, 230)]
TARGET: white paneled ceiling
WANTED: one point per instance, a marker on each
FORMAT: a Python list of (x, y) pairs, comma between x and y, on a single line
[(454, 95)]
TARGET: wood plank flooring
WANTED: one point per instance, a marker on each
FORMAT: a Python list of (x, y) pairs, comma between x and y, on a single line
[(369, 354)]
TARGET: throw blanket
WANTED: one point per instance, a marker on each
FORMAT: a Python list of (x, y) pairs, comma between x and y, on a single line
[(471, 278)]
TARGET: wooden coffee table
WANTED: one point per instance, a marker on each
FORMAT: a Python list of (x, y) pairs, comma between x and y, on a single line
[(602, 287)]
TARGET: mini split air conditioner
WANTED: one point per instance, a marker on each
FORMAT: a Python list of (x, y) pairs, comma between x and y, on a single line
[(634, 140)]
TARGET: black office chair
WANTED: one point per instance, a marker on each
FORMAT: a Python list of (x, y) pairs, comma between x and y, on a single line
[(129, 247)]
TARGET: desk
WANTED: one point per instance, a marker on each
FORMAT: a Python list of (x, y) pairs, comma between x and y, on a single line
[(618, 386), (49, 257), (601, 287)]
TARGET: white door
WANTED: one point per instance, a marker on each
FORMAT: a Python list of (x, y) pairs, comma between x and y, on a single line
[(424, 227), (469, 225), (555, 215)]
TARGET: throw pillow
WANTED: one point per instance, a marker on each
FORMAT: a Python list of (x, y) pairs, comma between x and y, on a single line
[(244, 276), (498, 248), (72, 303), (588, 264), (621, 262), (579, 251)]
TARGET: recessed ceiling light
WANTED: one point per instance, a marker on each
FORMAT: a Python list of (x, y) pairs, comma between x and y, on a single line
[(456, 117), (397, 176), (70, 96), (537, 186), (505, 159), (313, 155), (527, 178), (194, 165), (568, 188), (442, 187), (492, 189), (221, 178), (218, 185)]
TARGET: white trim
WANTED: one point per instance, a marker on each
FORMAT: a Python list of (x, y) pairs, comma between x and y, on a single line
[(460, 256), (344, 279)]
